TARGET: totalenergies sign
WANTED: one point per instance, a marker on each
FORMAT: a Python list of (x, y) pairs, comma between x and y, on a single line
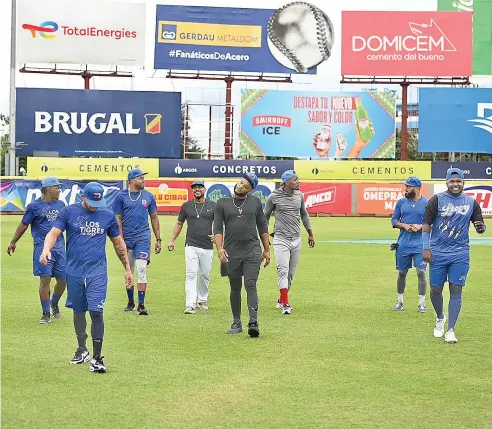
[(407, 43), (62, 31)]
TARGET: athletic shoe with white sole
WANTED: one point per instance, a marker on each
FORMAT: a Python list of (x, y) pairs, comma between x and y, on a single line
[(421, 308), (81, 356), (439, 328), (450, 337), (287, 309), (97, 365), (280, 306), (45, 318), (189, 310), (55, 310), (398, 306), (202, 306)]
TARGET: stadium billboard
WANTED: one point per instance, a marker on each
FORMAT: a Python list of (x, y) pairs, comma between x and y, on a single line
[(169, 195), (482, 193), (455, 120), (198, 168), (482, 30), (16, 195), (72, 122), (242, 39), (379, 198), (327, 198), (359, 171), (105, 33), (90, 168), (423, 44), (472, 170), (318, 124)]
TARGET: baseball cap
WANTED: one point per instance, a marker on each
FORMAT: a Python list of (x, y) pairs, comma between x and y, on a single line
[(135, 173), (93, 193), (198, 183), (413, 181), (50, 181), (252, 179), (457, 171), (287, 175)]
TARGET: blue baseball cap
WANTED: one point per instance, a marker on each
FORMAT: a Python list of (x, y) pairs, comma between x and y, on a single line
[(252, 179), (457, 171), (413, 181), (93, 193), (50, 181), (135, 173), (197, 183), (287, 175)]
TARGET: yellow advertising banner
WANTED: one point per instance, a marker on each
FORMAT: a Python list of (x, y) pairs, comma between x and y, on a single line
[(362, 170), (91, 168)]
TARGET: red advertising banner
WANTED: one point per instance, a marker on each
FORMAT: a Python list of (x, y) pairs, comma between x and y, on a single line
[(380, 198), (406, 43), (327, 198), (169, 195)]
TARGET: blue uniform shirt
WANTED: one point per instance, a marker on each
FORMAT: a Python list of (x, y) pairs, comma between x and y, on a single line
[(86, 239), (41, 216), (450, 218), (410, 212), (135, 211)]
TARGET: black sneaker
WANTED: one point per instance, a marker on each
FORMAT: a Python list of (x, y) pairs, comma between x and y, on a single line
[(130, 306), (97, 365), (235, 328), (253, 330), (45, 318), (55, 310), (142, 311), (80, 356)]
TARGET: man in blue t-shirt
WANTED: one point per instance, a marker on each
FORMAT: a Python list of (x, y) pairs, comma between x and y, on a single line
[(41, 214), (447, 247), (87, 224), (132, 207), (408, 218)]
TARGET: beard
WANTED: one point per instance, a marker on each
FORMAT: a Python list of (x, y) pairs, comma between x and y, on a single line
[(410, 195), (238, 193)]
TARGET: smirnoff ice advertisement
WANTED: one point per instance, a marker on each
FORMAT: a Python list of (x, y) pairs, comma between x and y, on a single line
[(322, 125)]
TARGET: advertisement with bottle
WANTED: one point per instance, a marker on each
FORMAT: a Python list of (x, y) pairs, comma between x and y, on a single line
[(323, 125)]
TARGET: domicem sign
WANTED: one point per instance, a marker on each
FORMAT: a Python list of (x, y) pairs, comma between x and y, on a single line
[(423, 44)]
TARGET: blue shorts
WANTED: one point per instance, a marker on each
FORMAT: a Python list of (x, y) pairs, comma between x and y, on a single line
[(56, 267), (140, 248), (405, 257), (87, 294), (449, 267)]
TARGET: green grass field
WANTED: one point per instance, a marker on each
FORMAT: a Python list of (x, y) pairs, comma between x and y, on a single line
[(342, 360)]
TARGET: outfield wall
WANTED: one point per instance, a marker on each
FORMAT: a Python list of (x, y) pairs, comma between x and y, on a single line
[(322, 198)]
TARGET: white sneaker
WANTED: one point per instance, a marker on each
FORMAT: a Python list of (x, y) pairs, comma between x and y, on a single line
[(202, 306), (439, 328), (450, 337), (189, 310), (280, 306), (287, 309)]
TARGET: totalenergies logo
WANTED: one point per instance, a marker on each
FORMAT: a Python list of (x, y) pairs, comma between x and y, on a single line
[(45, 29)]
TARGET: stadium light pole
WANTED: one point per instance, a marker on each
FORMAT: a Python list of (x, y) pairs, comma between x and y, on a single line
[(12, 158)]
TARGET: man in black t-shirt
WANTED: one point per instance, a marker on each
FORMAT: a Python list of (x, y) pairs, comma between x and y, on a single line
[(239, 251), (199, 248)]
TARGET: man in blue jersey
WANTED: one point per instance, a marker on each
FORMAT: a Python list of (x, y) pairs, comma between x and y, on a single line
[(132, 207), (41, 214), (408, 218), (447, 247), (87, 224)]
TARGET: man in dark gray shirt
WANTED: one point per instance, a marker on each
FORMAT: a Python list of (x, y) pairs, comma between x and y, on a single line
[(287, 202), (240, 252), (199, 250)]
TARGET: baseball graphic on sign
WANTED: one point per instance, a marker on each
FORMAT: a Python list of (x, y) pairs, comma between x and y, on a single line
[(300, 36)]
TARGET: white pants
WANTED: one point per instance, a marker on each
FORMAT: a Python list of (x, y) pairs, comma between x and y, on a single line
[(198, 261), (287, 253)]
